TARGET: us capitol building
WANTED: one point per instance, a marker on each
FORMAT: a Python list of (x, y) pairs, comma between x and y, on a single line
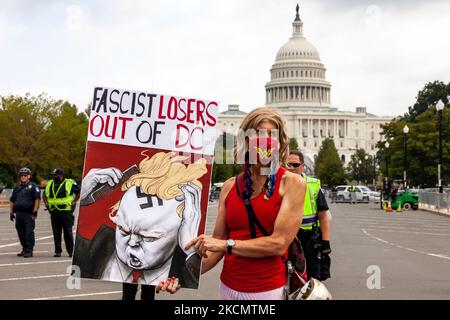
[(299, 90)]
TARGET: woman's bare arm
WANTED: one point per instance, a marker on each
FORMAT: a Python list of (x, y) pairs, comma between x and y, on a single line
[(287, 223)]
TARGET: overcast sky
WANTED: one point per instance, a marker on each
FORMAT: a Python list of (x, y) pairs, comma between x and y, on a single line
[(378, 54)]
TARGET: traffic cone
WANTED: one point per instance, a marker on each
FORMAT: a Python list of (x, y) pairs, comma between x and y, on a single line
[(384, 205), (389, 208), (399, 209)]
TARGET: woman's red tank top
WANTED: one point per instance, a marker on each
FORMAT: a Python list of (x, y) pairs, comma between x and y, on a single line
[(252, 274)]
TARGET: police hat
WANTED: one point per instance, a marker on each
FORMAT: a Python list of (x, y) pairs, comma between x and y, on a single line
[(24, 170), (58, 171)]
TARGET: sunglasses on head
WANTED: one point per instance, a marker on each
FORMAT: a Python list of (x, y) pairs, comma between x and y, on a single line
[(295, 164)]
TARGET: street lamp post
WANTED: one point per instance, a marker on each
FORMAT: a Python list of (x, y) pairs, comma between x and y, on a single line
[(374, 171), (359, 171), (366, 168), (387, 165), (405, 154), (440, 108)]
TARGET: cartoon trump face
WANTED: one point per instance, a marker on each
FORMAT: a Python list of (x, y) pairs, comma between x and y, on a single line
[(159, 211), (146, 229), (157, 215)]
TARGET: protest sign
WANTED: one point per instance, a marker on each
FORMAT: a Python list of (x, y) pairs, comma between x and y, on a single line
[(145, 186)]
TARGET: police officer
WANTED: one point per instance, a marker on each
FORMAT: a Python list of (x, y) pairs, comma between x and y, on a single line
[(314, 233), (353, 198), (60, 198), (24, 205)]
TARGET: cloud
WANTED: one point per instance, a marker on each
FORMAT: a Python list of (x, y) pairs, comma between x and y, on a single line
[(3, 27), (378, 54), (73, 18)]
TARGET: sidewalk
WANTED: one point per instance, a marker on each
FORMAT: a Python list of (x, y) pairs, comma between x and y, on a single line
[(434, 209)]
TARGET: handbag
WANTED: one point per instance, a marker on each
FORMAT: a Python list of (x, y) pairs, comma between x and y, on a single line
[(295, 261)]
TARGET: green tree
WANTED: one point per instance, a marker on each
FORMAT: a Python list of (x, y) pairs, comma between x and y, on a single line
[(42, 134), (293, 144), (428, 96), (23, 121), (66, 140), (422, 149), (360, 167), (224, 165), (328, 167)]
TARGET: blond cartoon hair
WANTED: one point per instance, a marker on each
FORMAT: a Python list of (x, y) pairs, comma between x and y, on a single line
[(162, 174)]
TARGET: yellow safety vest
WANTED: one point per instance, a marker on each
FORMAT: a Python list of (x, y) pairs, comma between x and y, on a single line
[(310, 207), (62, 204)]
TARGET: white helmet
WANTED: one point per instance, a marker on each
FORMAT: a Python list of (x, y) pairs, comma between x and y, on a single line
[(312, 290)]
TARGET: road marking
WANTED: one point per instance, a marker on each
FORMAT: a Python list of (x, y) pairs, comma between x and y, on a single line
[(412, 232), (78, 295), (15, 238), (442, 256), (399, 217), (28, 263), (403, 226), (15, 252), (388, 226), (439, 256), (18, 243), (13, 230), (36, 277), (402, 218)]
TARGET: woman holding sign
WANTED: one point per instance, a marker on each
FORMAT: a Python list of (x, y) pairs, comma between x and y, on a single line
[(253, 268)]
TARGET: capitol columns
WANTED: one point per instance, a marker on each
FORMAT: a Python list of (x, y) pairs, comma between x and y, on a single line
[(301, 129)]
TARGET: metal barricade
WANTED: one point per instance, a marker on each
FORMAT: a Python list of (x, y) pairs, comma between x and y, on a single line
[(4, 197), (435, 201)]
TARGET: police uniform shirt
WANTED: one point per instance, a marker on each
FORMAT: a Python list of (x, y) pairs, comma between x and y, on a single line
[(322, 204), (24, 196)]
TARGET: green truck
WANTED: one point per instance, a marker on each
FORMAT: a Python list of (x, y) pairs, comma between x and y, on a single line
[(406, 199)]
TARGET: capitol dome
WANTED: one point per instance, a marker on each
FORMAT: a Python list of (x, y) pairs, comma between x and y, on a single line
[(297, 48), (298, 75)]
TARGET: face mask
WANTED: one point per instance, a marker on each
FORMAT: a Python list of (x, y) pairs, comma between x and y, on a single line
[(263, 150)]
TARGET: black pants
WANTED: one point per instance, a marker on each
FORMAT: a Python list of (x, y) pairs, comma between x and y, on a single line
[(25, 230), (62, 222), (129, 291), (311, 254)]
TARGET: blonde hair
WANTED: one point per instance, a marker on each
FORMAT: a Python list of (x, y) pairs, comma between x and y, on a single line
[(161, 175), (253, 120)]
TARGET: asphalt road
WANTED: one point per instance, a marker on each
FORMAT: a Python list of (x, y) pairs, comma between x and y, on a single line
[(408, 251)]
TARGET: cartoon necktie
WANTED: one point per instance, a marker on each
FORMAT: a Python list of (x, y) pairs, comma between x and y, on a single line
[(136, 275)]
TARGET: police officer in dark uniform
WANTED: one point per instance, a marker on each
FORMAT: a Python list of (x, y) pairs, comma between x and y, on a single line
[(60, 198), (314, 233), (24, 205)]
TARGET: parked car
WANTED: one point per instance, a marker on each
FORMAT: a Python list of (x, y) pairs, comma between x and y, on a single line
[(374, 196), (214, 192), (343, 195)]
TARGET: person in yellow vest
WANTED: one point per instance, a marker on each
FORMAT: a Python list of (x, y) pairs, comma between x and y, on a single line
[(353, 197), (314, 233), (60, 198)]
